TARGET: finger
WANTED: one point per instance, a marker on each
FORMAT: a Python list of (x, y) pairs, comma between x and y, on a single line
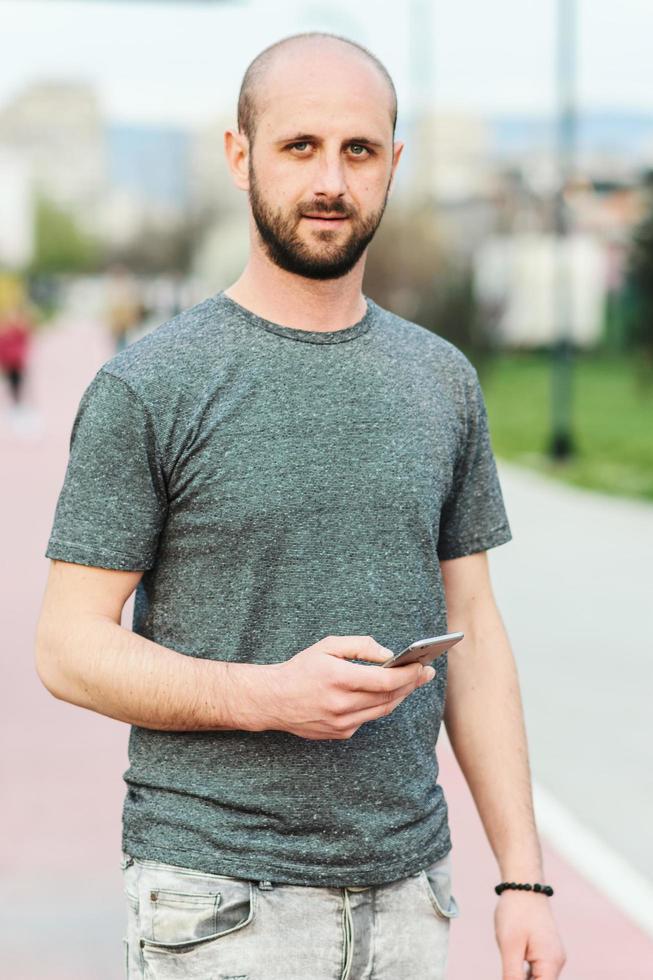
[(355, 648), (364, 701), (358, 718), (545, 970), (514, 967)]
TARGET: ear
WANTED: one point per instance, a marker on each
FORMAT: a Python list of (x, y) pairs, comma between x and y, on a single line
[(236, 148), (397, 150)]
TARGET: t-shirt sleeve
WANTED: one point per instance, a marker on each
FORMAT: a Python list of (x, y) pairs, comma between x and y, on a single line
[(473, 517), (113, 503)]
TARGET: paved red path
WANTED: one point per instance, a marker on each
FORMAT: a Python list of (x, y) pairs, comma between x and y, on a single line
[(62, 766)]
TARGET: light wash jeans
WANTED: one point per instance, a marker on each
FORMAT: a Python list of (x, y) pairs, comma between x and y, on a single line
[(185, 923)]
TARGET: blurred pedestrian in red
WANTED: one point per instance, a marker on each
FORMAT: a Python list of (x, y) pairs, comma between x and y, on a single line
[(15, 330)]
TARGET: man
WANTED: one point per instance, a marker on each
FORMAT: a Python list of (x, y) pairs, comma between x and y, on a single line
[(296, 483)]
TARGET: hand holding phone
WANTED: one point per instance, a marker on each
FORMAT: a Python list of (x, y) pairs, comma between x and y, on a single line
[(424, 651)]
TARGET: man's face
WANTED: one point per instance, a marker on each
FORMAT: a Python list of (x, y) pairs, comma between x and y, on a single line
[(320, 165), (332, 245)]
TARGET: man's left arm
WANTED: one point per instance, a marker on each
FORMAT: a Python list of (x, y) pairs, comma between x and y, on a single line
[(484, 722)]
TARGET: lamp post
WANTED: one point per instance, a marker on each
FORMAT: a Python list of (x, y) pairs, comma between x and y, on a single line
[(561, 445)]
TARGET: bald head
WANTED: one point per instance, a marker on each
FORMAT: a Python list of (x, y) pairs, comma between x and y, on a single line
[(251, 99)]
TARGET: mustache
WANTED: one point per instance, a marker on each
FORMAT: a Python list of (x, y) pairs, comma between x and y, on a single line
[(326, 207)]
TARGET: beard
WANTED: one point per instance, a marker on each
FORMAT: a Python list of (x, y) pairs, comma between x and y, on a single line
[(283, 245)]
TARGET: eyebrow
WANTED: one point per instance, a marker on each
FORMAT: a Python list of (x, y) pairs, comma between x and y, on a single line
[(307, 137)]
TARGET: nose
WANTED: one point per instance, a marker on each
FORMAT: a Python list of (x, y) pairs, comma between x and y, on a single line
[(329, 178)]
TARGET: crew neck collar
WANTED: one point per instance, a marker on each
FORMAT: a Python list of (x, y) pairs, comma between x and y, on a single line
[(293, 333)]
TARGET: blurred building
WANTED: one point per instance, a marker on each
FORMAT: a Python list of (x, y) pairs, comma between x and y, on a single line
[(56, 130), (219, 209), (611, 144), (517, 277), (148, 183), (16, 211), (115, 180), (489, 187), (123, 216), (516, 271), (452, 159), (151, 162), (607, 208), (211, 188)]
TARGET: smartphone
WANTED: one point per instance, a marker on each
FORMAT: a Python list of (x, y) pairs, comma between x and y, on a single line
[(424, 651)]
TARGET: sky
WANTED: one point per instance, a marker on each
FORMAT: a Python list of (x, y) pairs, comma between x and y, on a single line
[(180, 63)]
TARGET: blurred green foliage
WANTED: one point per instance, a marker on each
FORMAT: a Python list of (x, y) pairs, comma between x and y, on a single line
[(61, 247), (639, 286), (612, 420)]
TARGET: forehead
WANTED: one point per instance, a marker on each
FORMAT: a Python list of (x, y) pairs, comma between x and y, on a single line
[(323, 86)]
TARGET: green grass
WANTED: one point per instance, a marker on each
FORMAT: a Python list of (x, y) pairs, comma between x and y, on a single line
[(612, 420)]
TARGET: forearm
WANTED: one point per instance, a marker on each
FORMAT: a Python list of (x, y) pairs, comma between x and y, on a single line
[(101, 666), (484, 721)]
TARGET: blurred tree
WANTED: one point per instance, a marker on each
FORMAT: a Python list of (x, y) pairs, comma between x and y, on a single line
[(639, 285), (158, 249), (414, 272), (60, 245)]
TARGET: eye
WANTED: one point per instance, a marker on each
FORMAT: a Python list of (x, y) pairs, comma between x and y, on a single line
[(301, 146), (359, 150)]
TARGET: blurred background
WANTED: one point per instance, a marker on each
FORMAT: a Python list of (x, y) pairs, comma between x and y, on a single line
[(520, 228)]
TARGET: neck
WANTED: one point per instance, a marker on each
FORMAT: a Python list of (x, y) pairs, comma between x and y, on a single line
[(294, 301)]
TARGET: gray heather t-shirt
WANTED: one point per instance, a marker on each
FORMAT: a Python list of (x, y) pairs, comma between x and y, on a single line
[(279, 485)]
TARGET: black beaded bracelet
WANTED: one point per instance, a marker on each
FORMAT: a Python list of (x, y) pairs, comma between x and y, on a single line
[(542, 889)]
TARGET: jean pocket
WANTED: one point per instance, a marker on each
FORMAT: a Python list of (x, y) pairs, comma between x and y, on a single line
[(436, 880), (179, 915)]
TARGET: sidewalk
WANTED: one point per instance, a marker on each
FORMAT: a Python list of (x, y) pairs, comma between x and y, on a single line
[(62, 766), (60, 852)]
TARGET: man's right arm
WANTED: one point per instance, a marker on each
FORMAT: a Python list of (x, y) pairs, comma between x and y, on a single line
[(84, 656)]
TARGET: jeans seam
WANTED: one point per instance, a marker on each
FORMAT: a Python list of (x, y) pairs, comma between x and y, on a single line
[(343, 933), (373, 938)]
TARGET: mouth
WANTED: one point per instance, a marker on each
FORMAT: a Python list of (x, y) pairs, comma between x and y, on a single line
[(326, 219)]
